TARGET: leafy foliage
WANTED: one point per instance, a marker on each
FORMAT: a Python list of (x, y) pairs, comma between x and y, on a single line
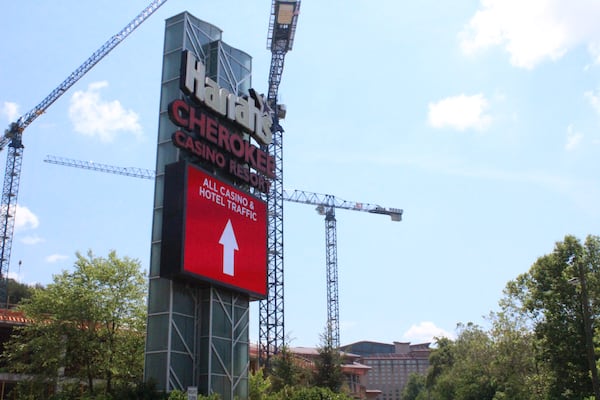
[(179, 395), (86, 327), (297, 378), (535, 348), (328, 372), (260, 386), (287, 371), (461, 369), (548, 297), (18, 292), (310, 393), (415, 388)]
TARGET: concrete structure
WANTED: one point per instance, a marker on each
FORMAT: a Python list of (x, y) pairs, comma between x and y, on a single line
[(390, 365)]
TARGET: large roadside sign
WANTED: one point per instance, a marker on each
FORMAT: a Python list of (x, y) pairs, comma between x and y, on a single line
[(213, 232)]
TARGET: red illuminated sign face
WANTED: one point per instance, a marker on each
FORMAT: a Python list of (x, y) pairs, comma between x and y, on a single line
[(213, 231)]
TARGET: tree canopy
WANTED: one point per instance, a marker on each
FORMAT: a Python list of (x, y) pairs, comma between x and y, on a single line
[(19, 291), (86, 329), (86, 333), (550, 296), (328, 373), (536, 346)]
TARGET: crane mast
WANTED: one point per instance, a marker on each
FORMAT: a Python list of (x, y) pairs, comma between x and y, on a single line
[(13, 138), (282, 28), (326, 205)]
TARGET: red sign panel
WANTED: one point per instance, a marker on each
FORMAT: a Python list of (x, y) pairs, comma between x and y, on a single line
[(213, 231)]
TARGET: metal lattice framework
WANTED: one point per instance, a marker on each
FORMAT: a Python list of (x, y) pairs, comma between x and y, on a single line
[(10, 190), (331, 271), (93, 166), (13, 138), (282, 27), (326, 205), (187, 343), (271, 317)]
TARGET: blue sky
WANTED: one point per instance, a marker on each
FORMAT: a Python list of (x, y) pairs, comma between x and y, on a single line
[(480, 119)]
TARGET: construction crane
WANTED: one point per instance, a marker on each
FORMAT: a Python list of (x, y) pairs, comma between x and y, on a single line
[(13, 138), (271, 335), (326, 205)]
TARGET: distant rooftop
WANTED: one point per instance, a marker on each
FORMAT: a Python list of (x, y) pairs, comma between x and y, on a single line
[(367, 348)]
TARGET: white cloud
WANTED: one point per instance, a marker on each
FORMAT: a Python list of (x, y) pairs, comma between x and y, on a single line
[(10, 111), (460, 112), (535, 30), (594, 100), (31, 240), (93, 116), (25, 219), (573, 138), (594, 50), (17, 276), (54, 258), (425, 331)]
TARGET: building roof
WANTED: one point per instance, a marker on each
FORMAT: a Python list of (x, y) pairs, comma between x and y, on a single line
[(398, 350), (365, 341), (313, 351), (12, 317), (356, 365)]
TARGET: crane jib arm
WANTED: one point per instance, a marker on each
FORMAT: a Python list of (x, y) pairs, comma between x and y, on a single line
[(13, 135), (98, 55)]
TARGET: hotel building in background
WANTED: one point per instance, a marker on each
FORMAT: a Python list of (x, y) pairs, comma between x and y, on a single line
[(390, 365)]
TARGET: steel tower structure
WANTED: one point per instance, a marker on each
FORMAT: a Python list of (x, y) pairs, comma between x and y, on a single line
[(13, 138), (326, 205), (282, 28), (190, 339)]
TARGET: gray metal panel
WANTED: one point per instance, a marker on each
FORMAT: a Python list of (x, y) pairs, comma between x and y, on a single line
[(196, 336)]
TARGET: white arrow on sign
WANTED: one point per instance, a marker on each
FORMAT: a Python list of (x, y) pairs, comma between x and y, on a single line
[(230, 245)]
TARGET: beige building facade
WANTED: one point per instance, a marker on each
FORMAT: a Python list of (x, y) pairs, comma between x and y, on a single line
[(390, 365)]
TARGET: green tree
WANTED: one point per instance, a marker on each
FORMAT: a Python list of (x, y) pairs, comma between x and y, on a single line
[(472, 372), (441, 361), (415, 388), (19, 291), (514, 369), (536, 346), (548, 297), (287, 371), (328, 365), (496, 364), (460, 370), (310, 393), (179, 395), (86, 327), (260, 385)]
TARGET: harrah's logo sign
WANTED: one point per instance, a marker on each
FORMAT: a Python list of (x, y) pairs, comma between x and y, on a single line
[(257, 121), (212, 119)]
